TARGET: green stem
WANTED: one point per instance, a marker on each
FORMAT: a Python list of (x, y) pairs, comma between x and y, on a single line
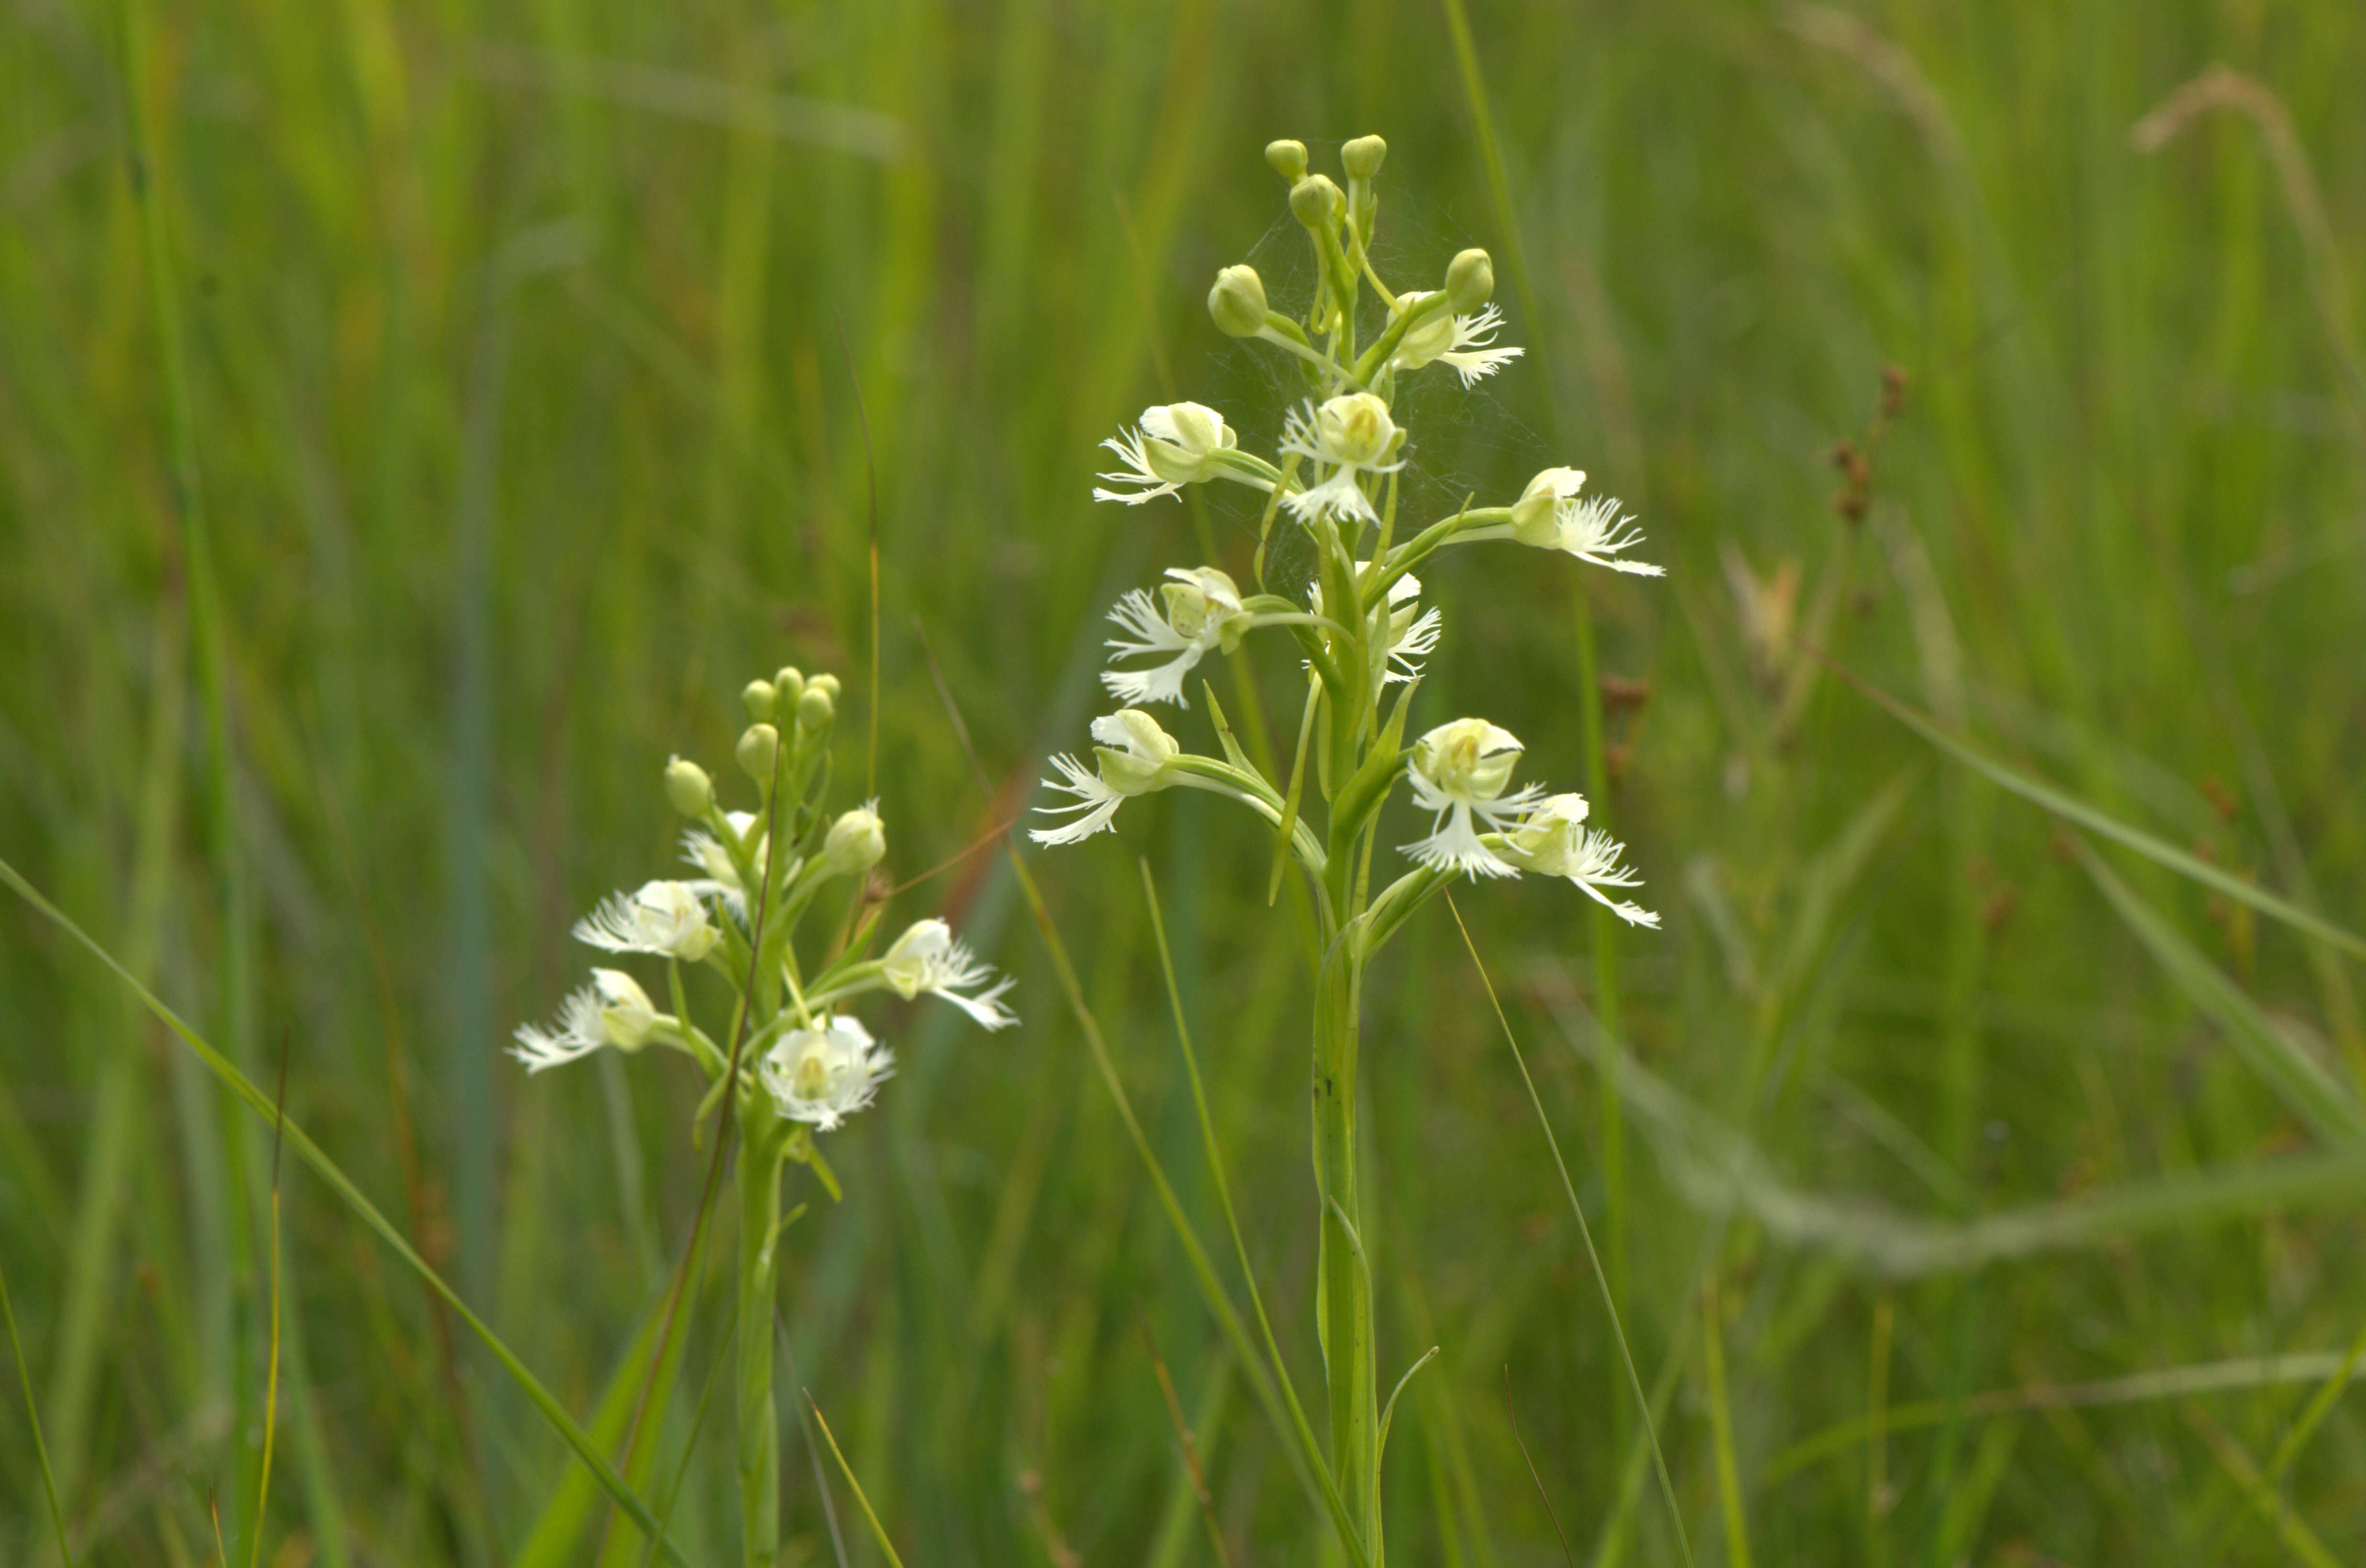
[(758, 1173), (1343, 1283)]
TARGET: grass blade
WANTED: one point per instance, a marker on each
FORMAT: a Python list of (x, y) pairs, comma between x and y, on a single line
[(2071, 809), (33, 1416), (877, 1529), (1585, 1233), (343, 1185), (2297, 1078)]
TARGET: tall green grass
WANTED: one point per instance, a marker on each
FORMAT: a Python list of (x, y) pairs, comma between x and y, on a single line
[(1981, 1186)]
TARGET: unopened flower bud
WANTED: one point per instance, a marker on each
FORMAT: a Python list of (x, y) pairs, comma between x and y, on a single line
[(1237, 302), (856, 842), (759, 744), (1316, 202), (815, 708), (1288, 158), (758, 698), (788, 683), (1362, 157), (1470, 281), (688, 788), (828, 682)]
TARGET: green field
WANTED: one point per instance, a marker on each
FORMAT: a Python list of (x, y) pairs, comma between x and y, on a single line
[(418, 421)]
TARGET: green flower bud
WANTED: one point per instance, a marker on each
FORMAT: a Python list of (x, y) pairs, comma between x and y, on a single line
[(1237, 302), (1317, 201), (1288, 158), (688, 788), (759, 697), (816, 708), (856, 842), (788, 683), (758, 746), (1362, 157), (828, 682), (1469, 282)]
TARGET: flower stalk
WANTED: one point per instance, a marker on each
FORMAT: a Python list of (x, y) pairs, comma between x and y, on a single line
[(1359, 630), (798, 1063)]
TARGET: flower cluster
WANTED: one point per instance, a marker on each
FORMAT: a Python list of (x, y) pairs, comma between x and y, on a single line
[(799, 1055), (1359, 625)]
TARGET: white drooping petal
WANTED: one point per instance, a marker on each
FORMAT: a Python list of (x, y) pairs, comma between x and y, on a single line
[(1137, 472), (928, 958), (1472, 352), (663, 918), (1593, 530), (823, 1074), (1096, 803)]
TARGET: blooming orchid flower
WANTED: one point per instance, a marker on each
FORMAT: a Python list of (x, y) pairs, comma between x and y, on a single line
[(1550, 515), (612, 1011), (1201, 612), (1134, 754), (1554, 840), (1460, 772), (823, 1073), (928, 958), (663, 918), (1349, 434), (1465, 343), (1175, 444)]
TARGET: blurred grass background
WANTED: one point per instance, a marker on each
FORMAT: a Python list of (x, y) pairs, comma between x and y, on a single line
[(482, 415)]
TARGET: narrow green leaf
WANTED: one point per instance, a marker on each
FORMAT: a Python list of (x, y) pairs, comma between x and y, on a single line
[(343, 1185), (2298, 1079), (2068, 807)]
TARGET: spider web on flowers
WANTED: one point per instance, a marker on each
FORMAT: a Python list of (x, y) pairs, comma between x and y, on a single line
[(1463, 441)]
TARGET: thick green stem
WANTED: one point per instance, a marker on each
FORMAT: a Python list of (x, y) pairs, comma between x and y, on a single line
[(759, 1175), (1344, 1284)]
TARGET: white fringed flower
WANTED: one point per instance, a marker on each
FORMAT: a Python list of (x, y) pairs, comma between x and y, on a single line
[(1554, 840), (1550, 515), (1349, 434), (1133, 753), (1201, 612), (823, 1074), (1176, 444), (612, 1011), (927, 958), (664, 918), (1465, 343), (1412, 635), (1459, 771)]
